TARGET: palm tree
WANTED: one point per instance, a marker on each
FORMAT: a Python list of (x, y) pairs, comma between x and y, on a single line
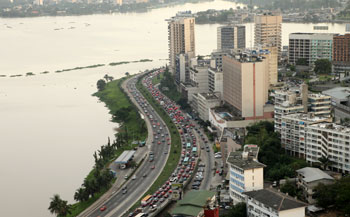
[(55, 204), (58, 206), (81, 195)]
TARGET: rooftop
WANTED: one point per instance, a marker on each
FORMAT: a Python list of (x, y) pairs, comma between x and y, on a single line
[(209, 96), (311, 174), (192, 203), (333, 126), (340, 93), (236, 158), (276, 200), (306, 117), (125, 157)]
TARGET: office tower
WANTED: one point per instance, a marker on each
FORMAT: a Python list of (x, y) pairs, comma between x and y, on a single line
[(181, 36), (246, 82), (182, 73), (341, 53), (306, 48), (230, 37), (268, 31)]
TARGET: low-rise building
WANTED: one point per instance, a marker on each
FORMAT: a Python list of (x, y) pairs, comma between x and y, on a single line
[(340, 100), (270, 203), (246, 173), (309, 178), (196, 204), (206, 101), (215, 80)]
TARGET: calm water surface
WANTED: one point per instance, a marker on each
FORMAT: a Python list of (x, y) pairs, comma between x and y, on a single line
[(50, 125)]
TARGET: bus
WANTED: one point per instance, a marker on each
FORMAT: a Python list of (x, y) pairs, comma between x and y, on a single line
[(145, 200), (188, 145), (186, 161)]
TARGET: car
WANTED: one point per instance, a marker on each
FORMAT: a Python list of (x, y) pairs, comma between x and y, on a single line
[(125, 191), (126, 177), (227, 207), (152, 167), (218, 156), (144, 175), (166, 152), (103, 208), (133, 177)]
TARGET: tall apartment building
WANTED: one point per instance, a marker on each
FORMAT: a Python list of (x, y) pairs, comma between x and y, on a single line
[(314, 137), (310, 47), (297, 100), (230, 37), (181, 36), (182, 73), (246, 84), (332, 141), (246, 173), (341, 53), (293, 132), (268, 30)]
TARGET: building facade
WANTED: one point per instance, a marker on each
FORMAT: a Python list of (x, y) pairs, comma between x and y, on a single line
[(215, 80), (270, 203), (268, 31), (310, 47), (181, 36), (246, 173), (246, 84), (230, 37), (341, 53)]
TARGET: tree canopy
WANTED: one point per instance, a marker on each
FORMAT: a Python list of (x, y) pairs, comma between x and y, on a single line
[(323, 66)]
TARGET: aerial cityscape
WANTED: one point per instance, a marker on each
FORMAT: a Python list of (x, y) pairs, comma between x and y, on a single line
[(203, 108)]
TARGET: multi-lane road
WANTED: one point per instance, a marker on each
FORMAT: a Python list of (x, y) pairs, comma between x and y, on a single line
[(119, 203), (158, 143)]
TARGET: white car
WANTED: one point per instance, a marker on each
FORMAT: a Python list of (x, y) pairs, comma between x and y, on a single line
[(134, 177), (218, 156)]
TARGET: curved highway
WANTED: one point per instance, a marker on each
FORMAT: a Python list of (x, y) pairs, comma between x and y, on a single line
[(119, 203)]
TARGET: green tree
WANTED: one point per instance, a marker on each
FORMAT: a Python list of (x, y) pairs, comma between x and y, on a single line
[(58, 206), (289, 188), (325, 162), (101, 85), (239, 210), (81, 195), (325, 195), (323, 66), (302, 62)]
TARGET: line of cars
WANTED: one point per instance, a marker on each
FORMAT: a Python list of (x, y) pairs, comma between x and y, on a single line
[(187, 163)]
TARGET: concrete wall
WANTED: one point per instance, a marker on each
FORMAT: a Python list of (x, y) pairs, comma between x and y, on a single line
[(297, 212), (254, 179)]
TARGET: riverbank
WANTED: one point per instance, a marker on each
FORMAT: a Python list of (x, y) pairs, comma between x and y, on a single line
[(175, 151), (131, 127)]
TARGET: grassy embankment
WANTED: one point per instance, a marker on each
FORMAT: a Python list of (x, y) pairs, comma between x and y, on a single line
[(175, 151), (115, 99)]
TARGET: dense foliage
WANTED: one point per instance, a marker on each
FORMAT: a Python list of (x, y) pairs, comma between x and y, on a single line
[(168, 87), (239, 210), (323, 66), (336, 195), (278, 164)]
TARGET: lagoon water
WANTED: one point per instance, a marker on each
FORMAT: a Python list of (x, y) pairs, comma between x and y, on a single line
[(50, 125)]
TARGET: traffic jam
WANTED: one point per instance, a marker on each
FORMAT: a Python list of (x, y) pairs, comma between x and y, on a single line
[(189, 153)]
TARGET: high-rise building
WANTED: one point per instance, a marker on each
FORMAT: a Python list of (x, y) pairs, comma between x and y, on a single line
[(310, 47), (230, 37), (182, 73), (341, 53), (246, 173), (181, 36), (268, 31), (246, 82)]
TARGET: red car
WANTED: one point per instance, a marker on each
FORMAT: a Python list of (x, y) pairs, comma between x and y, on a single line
[(152, 167), (103, 208)]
